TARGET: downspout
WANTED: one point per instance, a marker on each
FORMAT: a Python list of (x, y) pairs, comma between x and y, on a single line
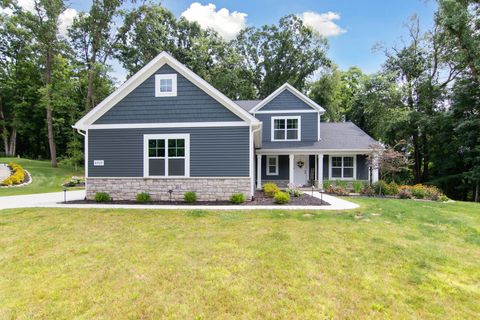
[(252, 160)]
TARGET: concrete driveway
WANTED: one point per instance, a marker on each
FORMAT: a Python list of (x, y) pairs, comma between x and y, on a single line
[(39, 199)]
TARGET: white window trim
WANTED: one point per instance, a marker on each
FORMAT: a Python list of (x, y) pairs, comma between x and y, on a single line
[(267, 166), (173, 77), (147, 137), (272, 129), (342, 155)]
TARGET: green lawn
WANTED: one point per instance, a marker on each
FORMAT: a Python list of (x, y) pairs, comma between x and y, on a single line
[(391, 259), (45, 178)]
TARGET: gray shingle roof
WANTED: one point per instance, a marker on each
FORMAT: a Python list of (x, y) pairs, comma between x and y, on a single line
[(247, 104), (334, 136)]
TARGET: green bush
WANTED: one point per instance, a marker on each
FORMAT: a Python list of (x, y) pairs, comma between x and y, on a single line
[(341, 183), (326, 184), (237, 198), (418, 191), (102, 197), (380, 187), (143, 197), (294, 190), (190, 197), (281, 198), (357, 186), (270, 189), (391, 189), (443, 198)]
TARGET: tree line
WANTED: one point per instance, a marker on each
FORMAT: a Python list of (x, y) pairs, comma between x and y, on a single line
[(424, 100)]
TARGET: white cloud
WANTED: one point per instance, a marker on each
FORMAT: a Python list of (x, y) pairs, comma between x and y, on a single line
[(323, 23), (227, 24), (27, 5), (65, 20)]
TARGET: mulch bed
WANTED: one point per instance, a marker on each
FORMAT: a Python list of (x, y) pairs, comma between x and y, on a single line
[(260, 200), (304, 200)]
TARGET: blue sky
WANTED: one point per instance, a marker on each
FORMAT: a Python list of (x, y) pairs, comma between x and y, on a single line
[(364, 23)]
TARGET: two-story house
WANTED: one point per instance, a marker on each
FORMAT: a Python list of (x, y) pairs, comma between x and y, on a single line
[(166, 131)]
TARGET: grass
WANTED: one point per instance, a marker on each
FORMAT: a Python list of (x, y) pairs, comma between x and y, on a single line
[(390, 259), (45, 178)]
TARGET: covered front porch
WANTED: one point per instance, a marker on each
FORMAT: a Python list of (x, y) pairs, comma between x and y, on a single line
[(307, 169)]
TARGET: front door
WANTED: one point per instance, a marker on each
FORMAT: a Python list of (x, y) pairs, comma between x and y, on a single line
[(300, 170)]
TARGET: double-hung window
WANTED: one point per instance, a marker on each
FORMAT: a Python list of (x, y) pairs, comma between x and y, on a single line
[(342, 167), (165, 85), (286, 128), (167, 155), (272, 165)]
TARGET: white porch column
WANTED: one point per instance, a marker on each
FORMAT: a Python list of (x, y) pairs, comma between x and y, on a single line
[(291, 167), (259, 171), (375, 169), (320, 171)]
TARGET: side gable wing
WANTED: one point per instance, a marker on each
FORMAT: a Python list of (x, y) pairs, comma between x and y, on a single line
[(132, 101)]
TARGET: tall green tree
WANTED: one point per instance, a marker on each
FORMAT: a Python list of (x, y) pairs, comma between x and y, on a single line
[(44, 25), (18, 82), (290, 52), (93, 36)]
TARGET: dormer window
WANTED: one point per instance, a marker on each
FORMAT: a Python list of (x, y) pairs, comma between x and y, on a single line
[(286, 128), (165, 85)]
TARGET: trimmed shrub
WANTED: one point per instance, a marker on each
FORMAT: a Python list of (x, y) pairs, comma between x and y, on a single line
[(143, 197), (404, 192), (357, 186), (270, 189), (190, 197), (102, 197), (237, 198), (281, 198)]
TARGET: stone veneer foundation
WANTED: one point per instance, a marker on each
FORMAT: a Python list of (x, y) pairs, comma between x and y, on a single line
[(207, 189)]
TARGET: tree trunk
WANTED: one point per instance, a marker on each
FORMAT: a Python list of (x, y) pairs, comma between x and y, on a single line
[(13, 143), (426, 157), (51, 138), (416, 155), (89, 102), (477, 192)]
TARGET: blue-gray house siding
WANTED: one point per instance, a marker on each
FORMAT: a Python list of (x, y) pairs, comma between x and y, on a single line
[(191, 104), (214, 151), (309, 124), (286, 101)]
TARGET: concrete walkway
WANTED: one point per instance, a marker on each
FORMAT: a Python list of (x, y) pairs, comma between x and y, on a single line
[(55, 199), (4, 171)]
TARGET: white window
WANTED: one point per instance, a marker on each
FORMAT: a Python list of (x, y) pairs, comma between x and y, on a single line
[(272, 165), (166, 155), (165, 85), (286, 128), (342, 167)]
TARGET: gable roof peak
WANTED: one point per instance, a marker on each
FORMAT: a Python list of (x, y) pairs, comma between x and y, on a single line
[(148, 70), (294, 91)]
